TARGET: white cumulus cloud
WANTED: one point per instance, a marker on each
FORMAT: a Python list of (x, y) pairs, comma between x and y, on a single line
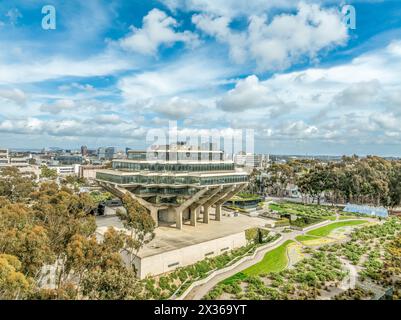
[(157, 29), (249, 93), (15, 95), (285, 40)]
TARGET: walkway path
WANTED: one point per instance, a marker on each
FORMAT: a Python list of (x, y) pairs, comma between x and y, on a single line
[(349, 281)]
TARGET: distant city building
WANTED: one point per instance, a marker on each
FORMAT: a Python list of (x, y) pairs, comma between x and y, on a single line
[(84, 150), (106, 153), (120, 155), (4, 159), (101, 153), (92, 153), (248, 160), (69, 159), (7, 160), (110, 151), (265, 159), (322, 158), (19, 161), (67, 170)]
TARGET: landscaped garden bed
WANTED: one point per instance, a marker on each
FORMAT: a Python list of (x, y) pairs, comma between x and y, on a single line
[(301, 282), (244, 201), (374, 250), (304, 221), (299, 209)]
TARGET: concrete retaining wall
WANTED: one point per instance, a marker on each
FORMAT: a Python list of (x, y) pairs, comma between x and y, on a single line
[(170, 260)]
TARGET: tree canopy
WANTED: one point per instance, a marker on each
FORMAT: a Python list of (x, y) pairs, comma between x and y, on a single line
[(370, 180), (49, 248)]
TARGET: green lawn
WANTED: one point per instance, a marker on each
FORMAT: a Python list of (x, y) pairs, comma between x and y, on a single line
[(349, 217), (305, 238), (240, 276), (273, 261), (325, 231)]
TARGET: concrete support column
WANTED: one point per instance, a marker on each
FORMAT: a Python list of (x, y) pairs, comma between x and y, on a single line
[(178, 218), (205, 214), (218, 212), (154, 215), (193, 216)]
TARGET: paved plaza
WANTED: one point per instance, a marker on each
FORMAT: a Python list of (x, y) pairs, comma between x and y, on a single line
[(170, 238)]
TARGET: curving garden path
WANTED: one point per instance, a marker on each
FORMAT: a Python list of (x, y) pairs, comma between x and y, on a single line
[(349, 281)]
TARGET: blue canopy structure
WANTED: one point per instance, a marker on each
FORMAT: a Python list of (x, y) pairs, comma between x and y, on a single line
[(368, 210)]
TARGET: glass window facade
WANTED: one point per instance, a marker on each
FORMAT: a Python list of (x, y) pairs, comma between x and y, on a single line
[(69, 159), (172, 167), (137, 155), (167, 191), (171, 180)]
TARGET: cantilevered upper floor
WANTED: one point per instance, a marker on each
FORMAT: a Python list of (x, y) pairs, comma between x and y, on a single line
[(152, 178)]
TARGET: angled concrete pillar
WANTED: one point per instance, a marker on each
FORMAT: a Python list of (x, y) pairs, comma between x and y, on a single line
[(193, 216), (193, 199), (205, 214), (218, 212), (222, 192), (230, 194), (178, 218), (120, 192), (211, 201), (154, 214)]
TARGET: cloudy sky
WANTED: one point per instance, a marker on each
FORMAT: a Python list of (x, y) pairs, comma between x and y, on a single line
[(290, 70)]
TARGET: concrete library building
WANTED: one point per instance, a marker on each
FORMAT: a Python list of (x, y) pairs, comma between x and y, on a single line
[(184, 190), (178, 186)]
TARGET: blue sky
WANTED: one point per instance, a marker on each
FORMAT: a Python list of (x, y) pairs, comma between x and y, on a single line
[(290, 70)]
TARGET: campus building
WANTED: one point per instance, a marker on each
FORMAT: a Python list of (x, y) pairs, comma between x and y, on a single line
[(106, 153), (6, 160), (178, 184), (250, 160), (69, 159)]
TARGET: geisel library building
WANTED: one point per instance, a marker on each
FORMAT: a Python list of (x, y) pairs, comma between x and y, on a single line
[(183, 188), (177, 186)]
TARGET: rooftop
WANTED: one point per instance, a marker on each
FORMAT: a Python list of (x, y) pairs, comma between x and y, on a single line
[(169, 238)]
